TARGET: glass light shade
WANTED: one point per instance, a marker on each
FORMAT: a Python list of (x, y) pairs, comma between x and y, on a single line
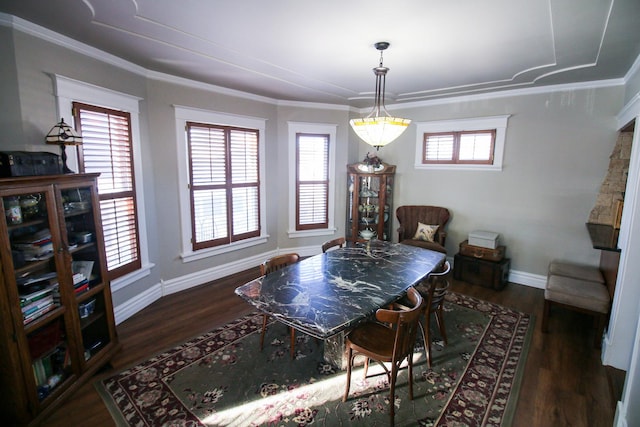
[(379, 131), (63, 134)]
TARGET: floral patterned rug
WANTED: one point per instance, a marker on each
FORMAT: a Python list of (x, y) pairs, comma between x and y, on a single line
[(222, 378)]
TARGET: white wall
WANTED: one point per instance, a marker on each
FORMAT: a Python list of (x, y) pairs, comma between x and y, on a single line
[(556, 155)]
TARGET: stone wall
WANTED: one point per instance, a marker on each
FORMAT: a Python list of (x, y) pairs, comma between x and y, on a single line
[(614, 184)]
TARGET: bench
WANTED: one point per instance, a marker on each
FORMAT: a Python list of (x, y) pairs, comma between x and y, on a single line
[(580, 288)]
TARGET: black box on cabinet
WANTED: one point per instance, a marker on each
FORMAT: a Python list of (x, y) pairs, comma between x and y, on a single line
[(480, 272), (26, 163)]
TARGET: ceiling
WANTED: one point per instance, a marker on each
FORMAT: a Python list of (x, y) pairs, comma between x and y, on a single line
[(323, 51)]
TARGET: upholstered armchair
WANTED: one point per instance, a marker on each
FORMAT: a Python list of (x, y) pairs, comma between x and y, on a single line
[(428, 236)]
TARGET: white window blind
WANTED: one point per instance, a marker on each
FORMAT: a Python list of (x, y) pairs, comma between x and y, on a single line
[(107, 149), (312, 183), (224, 184)]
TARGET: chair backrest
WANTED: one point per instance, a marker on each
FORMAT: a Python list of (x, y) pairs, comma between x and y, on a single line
[(438, 286), (405, 320), (332, 243), (278, 262), (410, 215)]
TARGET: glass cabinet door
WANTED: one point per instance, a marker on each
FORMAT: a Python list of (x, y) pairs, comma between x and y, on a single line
[(369, 204), (87, 285), (33, 241)]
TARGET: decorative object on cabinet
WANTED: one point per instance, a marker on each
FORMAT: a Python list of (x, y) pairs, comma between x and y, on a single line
[(487, 254), (369, 200), (411, 216), (379, 128), (62, 134), (26, 163), (57, 325)]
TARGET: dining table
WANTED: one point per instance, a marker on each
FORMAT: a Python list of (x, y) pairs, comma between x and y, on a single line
[(328, 294)]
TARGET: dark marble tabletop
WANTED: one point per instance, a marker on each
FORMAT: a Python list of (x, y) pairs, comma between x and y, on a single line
[(328, 293)]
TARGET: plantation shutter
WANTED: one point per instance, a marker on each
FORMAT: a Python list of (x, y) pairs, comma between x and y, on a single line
[(469, 147), (224, 184), (438, 147), (477, 146), (107, 150), (312, 183)]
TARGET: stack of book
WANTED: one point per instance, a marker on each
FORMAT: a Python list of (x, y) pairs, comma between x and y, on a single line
[(81, 275), (35, 246), (80, 283), (37, 303)]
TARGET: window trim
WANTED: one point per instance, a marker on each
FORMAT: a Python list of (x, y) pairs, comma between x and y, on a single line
[(69, 90), (325, 182), (499, 123), (295, 128), (183, 115)]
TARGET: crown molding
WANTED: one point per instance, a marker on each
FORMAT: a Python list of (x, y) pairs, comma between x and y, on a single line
[(38, 31)]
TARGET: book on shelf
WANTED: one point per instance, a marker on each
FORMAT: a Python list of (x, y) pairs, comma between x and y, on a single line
[(38, 313), (38, 304), (27, 297), (35, 246), (82, 288)]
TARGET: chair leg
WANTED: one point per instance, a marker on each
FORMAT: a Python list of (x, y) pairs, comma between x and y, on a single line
[(264, 329), (392, 393), (292, 350), (440, 322), (545, 316), (410, 362), (426, 337), (349, 363)]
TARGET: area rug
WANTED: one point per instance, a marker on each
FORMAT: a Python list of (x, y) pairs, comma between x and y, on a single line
[(222, 378)]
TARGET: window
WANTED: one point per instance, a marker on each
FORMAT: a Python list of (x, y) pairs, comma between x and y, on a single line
[(312, 181), (224, 184), (474, 143), (472, 147), (251, 128), (107, 149)]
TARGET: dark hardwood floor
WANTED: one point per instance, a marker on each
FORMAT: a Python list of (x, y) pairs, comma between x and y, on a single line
[(564, 382)]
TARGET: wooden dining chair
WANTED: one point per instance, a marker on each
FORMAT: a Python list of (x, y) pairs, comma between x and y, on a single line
[(391, 339), (269, 266), (434, 292), (339, 242)]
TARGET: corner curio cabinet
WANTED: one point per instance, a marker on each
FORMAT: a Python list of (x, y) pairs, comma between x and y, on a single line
[(56, 315), (369, 201)]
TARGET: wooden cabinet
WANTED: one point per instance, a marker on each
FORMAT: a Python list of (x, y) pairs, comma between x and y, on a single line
[(369, 201), (490, 274), (56, 315)]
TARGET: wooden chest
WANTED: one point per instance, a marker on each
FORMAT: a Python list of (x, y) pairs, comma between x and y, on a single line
[(477, 271), (486, 254)]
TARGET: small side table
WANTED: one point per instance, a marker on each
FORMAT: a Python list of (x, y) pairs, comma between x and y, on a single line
[(490, 274)]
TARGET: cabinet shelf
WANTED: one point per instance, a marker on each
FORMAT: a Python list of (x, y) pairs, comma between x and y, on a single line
[(44, 361)]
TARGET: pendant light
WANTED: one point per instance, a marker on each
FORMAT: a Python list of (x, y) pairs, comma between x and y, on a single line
[(379, 128)]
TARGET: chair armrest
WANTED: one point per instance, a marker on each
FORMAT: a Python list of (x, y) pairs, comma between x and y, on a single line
[(442, 235), (400, 233)]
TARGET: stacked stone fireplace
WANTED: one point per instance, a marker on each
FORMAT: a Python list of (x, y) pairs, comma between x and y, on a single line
[(614, 184)]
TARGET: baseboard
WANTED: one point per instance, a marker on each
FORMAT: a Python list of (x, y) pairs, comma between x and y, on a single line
[(528, 279), (620, 419), (130, 307), (165, 287)]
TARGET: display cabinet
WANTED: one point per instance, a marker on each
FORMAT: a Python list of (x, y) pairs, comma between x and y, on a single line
[(56, 315), (370, 201)]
